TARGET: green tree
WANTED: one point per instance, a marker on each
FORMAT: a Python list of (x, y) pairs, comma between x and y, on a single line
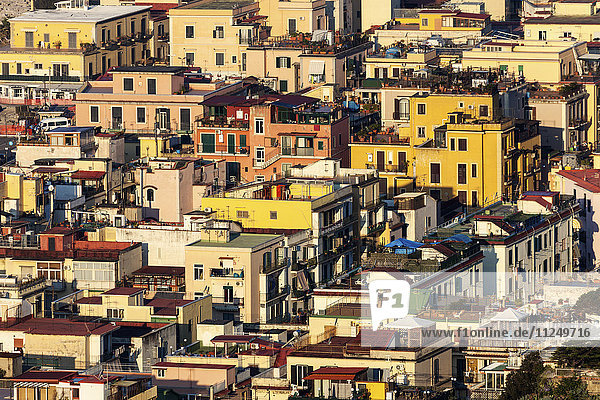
[(577, 357), (527, 380), (571, 388), (588, 302)]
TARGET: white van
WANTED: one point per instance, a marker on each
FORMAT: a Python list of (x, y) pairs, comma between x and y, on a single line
[(50, 123)]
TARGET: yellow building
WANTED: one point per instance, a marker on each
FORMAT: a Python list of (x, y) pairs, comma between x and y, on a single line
[(68, 46), (22, 194), (246, 274), (545, 62), (214, 35), (479, 161), (328, 209)]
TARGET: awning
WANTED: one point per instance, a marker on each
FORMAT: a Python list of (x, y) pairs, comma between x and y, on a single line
[(335, 374), (303, 280), (316, 67), (297, 134), (88, 175)]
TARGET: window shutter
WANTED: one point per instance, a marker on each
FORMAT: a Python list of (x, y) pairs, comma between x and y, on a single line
[(278, 62)]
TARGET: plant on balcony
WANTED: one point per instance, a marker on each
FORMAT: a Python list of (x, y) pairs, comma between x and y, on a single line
[(57, 44), (570, 89)]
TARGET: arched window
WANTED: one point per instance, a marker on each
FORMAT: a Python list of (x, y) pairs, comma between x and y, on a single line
[(150, 194)]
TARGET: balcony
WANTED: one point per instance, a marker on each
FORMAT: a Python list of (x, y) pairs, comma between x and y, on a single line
[(226, 273), (222, 122), (222, 150), (40, 78), (402, 168), (400, 116), (275, 294), (267, 269), (575, 123), (381, 137), (375, 228)]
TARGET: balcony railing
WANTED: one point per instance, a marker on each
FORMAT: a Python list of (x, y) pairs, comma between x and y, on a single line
[(222, 122), (400, 116), (274, 266), (40, 78), (402, 168)]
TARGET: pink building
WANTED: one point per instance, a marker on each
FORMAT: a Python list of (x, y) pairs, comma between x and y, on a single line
[(192, 378)]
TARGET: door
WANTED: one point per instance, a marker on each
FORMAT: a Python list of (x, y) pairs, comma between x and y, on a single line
[(402, 167), (208, 142), (28, 39), (231, 144), (185, 123), (117, 118), (163, 119), (51, 244), (286, 145), (292, 26), (381, 160), (260, 154), (72, 40)]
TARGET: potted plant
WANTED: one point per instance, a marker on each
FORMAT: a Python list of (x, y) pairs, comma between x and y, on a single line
[(58, 44)]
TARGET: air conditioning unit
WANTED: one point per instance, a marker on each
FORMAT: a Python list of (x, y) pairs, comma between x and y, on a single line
[(208, 210)]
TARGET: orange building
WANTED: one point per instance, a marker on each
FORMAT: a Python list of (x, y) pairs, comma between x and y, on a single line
[(268, 135)]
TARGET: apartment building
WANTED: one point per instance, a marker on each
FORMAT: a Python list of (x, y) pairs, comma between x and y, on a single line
[(142, 99), (563, 116), (73, 385), (394, 62), (584, 184), (270, 134), (450, 24), (547, 62), (328, 208), (535, 237), (22, 193), (291, 17), (581, 28), (300, 62), (214, 35), (245, 273), (52, 52), (60, 257), (420, 144), (131, 305)]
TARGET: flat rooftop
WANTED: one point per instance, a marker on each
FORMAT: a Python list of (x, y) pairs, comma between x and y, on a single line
[(93, 14), (217, 4), (158, 69), (240, 240), (63, 327), (566, 19)]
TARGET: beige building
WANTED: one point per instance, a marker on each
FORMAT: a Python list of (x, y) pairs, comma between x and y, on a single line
[(129, 304), (290, 66), (289, 17), (395, 63), (165, 188), (246, 274), (563, 27), (141, 99), (214, 35), (544, 62)]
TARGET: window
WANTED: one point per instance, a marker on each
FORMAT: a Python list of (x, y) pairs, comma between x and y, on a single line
[(510, 257), (28, 39), (72, 40), (185, 119), (421, 110), (283, 86), (37, 66), (452, 144), (94, 114), (234, 59), (462, 144), (298, 373), (198, 272), (425, 22), (160, 372), (47, 37), (115, 313), (259, 126), (320, 145), (5, 69), (128, 84), (228, 294), (49, 270), (462, 174), (242, 214), (151, 86), (189, 59), (462, 196), (420, 131), (292, 26), (141, 115), (483, 111), (542, 35), (150, 195), (474, 198), (435, 172), (283, 62), (401, 109), (473, 170), (189, 31), (19, 68), (220, 58), (273, 214), (219, 32)]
